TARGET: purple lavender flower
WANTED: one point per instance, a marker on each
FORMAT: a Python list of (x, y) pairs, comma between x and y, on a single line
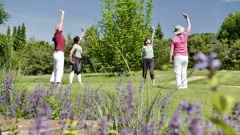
[(207, 62), (12, 111), (146, 129), (120, 81), (128, 99), (8, 89), (128, 120), (63, 116), (104, 124), (175, 124), (126, 131), (41, 121), (187, 107), (196, 127)]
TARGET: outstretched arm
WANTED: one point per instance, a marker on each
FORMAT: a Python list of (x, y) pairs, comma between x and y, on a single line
[(188, 20), (81, 36), (60, 24), (153, 33)]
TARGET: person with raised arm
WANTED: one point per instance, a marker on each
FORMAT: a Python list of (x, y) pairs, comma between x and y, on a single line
[(179, 48), (77, 59), (148, 58), (58, 55)]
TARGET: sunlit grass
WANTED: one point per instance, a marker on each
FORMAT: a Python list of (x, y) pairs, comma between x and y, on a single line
[(198, 91)]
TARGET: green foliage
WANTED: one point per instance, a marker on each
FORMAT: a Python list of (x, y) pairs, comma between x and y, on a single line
[(123, 28), (235, 54), (55, 109), (91, 40), (230, 28), (5, 51), (197, 43), (228, 53), (223, 126), (37, 57), (159, 34), (161, 52), (71, 128), (19, 38), (67, 62), (223, 49), (3, 15), (222, 103)]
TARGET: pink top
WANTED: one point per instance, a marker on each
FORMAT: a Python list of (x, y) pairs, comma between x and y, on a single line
[(179, 44)]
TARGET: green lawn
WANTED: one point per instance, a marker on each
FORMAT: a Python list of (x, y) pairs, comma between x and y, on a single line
[(198, 91)]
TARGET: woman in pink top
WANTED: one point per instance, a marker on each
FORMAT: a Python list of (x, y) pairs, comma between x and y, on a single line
[(180, 51)]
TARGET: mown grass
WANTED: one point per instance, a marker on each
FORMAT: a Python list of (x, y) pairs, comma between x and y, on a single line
[(198, 91)]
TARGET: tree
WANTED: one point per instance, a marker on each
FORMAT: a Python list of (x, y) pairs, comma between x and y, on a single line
[(197, 43), (91, 40), (37, 58), (3, 15), (19, 37), (23, 34), (159, 33), (230, 28), (14, 31), (8, 32), (123, 28)]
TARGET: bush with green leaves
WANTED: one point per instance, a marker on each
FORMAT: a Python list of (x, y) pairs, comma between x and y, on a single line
[(161, 54), (37, 57)]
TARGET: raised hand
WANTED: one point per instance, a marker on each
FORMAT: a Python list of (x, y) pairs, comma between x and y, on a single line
[(153, 28), (61, 11), (185, 15)]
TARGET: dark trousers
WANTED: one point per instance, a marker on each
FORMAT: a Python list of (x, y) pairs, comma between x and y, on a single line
[(148, 64), (77, 66)]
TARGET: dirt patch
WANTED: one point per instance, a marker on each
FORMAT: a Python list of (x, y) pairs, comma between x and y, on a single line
[(24, 125)]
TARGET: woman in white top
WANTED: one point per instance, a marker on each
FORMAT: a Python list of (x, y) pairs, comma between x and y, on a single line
[(76, 60), (148, 58)]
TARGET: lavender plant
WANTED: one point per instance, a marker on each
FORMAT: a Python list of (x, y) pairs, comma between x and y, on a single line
[(42, 121), (222, 103), (123, 111)]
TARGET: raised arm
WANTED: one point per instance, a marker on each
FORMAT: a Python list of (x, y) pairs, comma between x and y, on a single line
[(60, 24), (153, 33), (188, 20), (81, 36)]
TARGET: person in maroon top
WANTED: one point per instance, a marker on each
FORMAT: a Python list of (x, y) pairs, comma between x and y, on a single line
[(58, 55)]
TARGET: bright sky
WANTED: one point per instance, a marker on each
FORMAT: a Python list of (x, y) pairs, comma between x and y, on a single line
[(41, 16)]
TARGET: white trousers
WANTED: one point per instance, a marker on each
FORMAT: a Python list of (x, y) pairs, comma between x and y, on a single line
[(180, 69), (57, 73)]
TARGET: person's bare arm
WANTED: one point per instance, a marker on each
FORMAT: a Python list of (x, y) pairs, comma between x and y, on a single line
[(171, 51), (188, 20), (170, 56), (60, 24), (153, 33), (81, 36), (71, 53)]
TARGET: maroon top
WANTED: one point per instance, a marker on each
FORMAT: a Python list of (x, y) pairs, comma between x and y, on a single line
[(59, 41)]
